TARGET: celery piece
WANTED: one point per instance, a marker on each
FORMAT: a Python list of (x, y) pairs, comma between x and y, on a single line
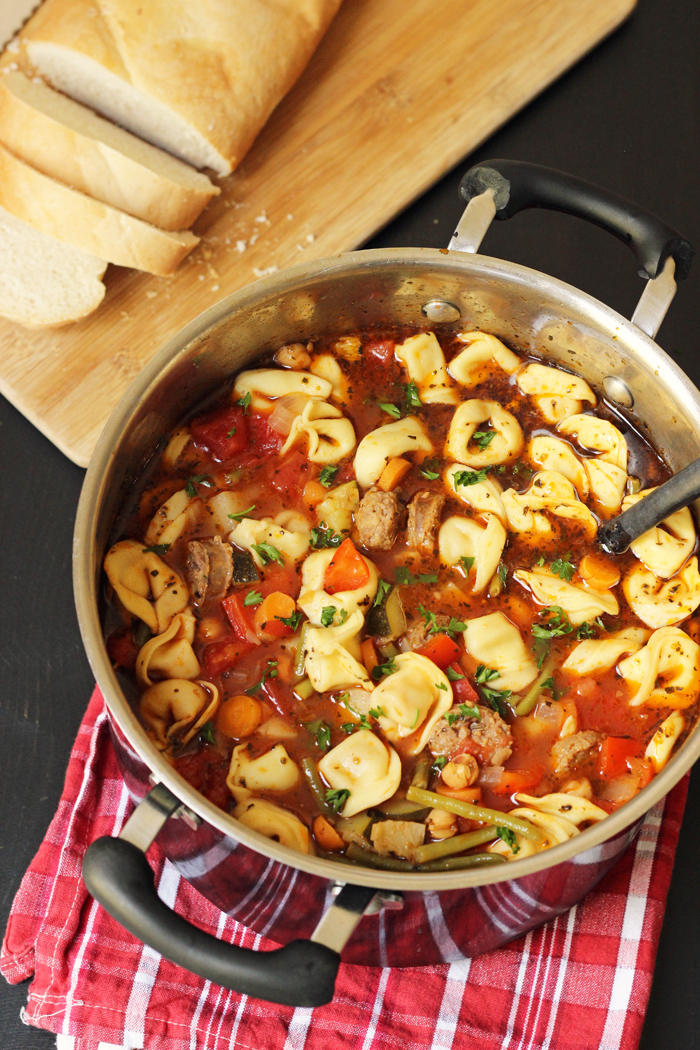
[(528, 702)]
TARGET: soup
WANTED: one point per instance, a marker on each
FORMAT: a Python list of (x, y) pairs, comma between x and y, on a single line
[(361, 600)]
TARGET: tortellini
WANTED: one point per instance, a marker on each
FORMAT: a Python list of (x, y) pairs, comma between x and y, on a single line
[(607, 485), (665, 547), (273, 822), (250, 533), (424, 361), (557, 394), (326, 367), (553, 454), (385, 443), (329, 435), (366, 767), (666, 672), (598, 654), (411, 700), (507, 441), (337, 509), (661, 744), (472, 365), (496, 643), (170, 521), (170, 654), (170, 706), (273, 771), (660, 604), (264, 383), (556, 816), (313, 599), (137, 575), (328, 663), (484, 497), (461, 537), (579, 603), (550, 492), (597, 435)]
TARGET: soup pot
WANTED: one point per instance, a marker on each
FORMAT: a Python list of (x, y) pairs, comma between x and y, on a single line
[(319, 910)]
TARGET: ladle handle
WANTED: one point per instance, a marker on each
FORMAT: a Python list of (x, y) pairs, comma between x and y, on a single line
[(616, 535)]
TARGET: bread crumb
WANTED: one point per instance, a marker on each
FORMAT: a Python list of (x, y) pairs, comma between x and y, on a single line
[(212, 272), (254, 238), (13, 46), (290, 216), (215, 287), (201, 276), (241, 246), (262, 217), (311, 237), (266, 272), (150, 294)]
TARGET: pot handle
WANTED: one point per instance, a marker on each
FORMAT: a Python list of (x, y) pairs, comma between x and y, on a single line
[(302, 973), (517, 185)]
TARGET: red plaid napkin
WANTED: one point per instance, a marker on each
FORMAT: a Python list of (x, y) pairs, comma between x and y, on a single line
[(581, 982)]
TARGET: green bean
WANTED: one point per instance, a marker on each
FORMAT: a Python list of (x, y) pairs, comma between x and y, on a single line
[(480, 813), (299, 663), (421, 773), (376, 860), (471, 860), (308, 767), (457, 844), (531, 697)]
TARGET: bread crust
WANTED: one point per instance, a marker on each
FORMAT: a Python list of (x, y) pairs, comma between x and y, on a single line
[(221, 65), (70, 143), (88, 224)]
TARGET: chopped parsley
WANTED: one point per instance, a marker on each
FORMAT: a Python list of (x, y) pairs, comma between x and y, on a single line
[(386, 668), (585, 630), (483, 438), (327, 614), (563, 568), (496, 699), (244, 402), (415, 721), (486, 674), (555, 626), (242, 513), (540, 560), (428, 470), (467, 563), (322, 536), (384, 589), (269, 672), (412, 396), (454, 676), (434, 628), (405, 576), (522, 468), (502, 572), (327, 475), (292, 621), (206, 733), (441, 685), (469, 477), (337, 797), (463, 711), (390, 409), (598, 620), (322, 732), (509, 838), (549, 684), (157, 548), (377, 712), (343, 617), (439, 762), (198, 479), (253, 598), (266, 552), (231, 432)]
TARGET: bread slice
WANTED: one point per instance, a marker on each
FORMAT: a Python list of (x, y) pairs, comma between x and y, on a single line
[(71, 143), (94, 227), (42, 281), (198, 79)]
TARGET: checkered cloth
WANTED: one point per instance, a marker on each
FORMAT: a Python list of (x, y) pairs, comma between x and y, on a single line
[(581, 982)]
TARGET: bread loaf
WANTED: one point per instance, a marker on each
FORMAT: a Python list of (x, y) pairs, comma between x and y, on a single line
[(88, 224), (198, 79), (72, 144), (45, 282)]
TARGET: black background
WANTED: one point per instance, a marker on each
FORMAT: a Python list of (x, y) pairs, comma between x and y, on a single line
[(625, 117)]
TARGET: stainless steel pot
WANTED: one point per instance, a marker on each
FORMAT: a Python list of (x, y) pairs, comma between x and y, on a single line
[(367, 916)]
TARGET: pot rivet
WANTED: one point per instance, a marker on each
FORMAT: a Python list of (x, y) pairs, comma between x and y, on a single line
[(618, 391), (441, 310)]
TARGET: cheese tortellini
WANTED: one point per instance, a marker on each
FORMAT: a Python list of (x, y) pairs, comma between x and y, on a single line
[(169, 654), (424, 361), (497, 643), (661, 744), (461, 537), (366, 767), (557, 394), (251, 533), (549, 493), (169, 707), (598, 654), (597, 435), (473, 364), (666, 672), (274, 822), (173, 518), (660, 604), (337, 509), (553, 454), (664, 548), (329, 435), (313, 599), (507, 441), (579, 603), (326, 367), (411, 700), (556, 816), (385, 443), (145, 585), (265, 383), (273, 771), (484, 497), (328, 661)]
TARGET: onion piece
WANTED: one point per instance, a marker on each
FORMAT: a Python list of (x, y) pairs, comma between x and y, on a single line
[(490, 776), (286, 410)]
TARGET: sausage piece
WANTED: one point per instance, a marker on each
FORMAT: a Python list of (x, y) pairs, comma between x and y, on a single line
[(488, 738), (377, 519), (424, 512), (209, 569), (569, 752), (420, 633)]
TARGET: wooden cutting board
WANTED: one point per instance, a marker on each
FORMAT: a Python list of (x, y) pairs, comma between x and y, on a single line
[(397, 93)]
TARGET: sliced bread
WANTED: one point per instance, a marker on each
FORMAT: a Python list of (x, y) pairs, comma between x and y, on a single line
[(71, 143), (198, 79), (42, 281), (94, 227)]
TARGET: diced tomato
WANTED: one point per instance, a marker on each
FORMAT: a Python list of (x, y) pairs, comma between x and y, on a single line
[(206, 770), (290, 476), (381, 349), (278, 578), (518, 780), (224, 432), (614, 754), (346, 571), (281, 696), (240, 616), (222, 656), (441, 650), (462, 689), (122, 649), (263, 441), (642, 769)]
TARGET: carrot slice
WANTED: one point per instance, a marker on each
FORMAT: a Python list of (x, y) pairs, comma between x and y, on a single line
[(346, 571), (369, 655), (472, 795), (326, 835), (268, 616), (598, 572), (239, 716), (314, 493), (441, 650), (518, 780), (392, 474)]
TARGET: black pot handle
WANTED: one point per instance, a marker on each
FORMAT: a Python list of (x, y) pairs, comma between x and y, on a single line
[(517, 185), (302, 973)]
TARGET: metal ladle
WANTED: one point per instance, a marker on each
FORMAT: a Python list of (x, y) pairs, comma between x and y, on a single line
[(616, 535)]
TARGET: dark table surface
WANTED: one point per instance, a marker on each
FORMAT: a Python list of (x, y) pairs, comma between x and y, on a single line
[(625, 117)]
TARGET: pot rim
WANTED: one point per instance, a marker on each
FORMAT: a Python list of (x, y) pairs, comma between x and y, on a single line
[(84, 571)]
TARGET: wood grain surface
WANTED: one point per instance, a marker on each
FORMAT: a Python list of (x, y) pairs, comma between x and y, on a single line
[(396, 94)]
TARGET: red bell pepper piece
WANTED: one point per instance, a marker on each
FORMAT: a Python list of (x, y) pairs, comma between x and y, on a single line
[(614, 754), (222, 656), (224, 432), (240, 616), (346, 570), (462, 689), (291, 475), (441, 650)]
